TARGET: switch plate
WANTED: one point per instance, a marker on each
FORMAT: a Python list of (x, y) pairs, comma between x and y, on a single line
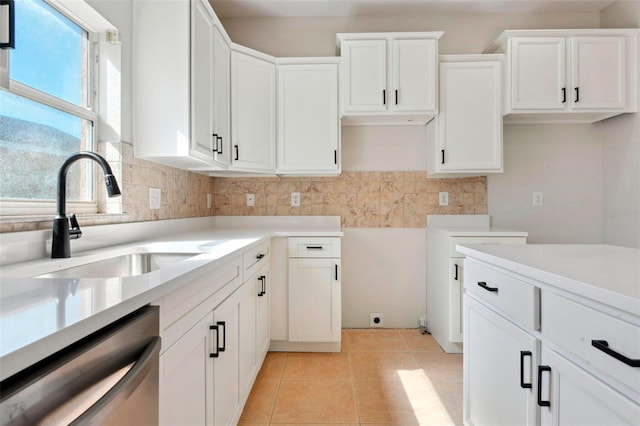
[(443, 198), (155, 198), (209, 198), (537, 199), (295, 199), (251, 200)]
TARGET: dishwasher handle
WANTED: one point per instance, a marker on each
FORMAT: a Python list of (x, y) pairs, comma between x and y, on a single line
[(117, 395)]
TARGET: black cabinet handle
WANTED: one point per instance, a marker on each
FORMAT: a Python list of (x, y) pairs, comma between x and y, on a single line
[(456, 277), (215, 344), (442, 151), (335, 156), (564, 94), (486, 287), (259, 256), (215, 143), (396, 96), (261, 292), (263, 278), (237, 153), (314, 247), (11, 43), (219, 144), (384, 97), (222, 324), (522, 383), (541, 369), (603, 345), (577, 94), (336, 270)]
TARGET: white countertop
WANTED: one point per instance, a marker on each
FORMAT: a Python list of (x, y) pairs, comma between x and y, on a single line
[(603, 273), (39, 316), (468, 226)]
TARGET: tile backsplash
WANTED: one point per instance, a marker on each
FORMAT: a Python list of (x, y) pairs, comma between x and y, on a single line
[(362, 199)]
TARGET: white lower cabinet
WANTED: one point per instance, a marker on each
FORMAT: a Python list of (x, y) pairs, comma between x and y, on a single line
[(498, 369), (571, 396), (215, 334)]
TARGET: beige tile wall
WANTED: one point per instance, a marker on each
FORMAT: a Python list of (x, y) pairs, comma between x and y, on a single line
[(363, 199)]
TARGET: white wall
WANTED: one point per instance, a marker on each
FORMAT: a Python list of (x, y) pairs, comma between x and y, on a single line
[(621, 152), (563, 161), (385, 269)]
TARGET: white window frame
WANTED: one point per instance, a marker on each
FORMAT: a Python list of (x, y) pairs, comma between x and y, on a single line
[(83, 15)]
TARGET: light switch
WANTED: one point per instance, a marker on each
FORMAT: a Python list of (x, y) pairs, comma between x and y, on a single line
[(537, 199), (295, 199), (443, 198), (155, 198)]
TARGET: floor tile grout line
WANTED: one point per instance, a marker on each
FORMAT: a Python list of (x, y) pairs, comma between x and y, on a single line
[(275, 399)]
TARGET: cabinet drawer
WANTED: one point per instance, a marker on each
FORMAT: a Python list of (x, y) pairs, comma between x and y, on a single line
[(481, 240), (573, 327), (314, 247), (254, 258), (518, 300)]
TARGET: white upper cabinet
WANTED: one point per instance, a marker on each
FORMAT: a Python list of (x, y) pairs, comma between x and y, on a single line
[(569, 75), (389, 78), (466, 136), (177, 72), (222, 96), (308, 122), (253, 111)]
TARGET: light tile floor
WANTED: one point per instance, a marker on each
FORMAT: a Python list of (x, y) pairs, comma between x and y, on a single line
[(390, 377)]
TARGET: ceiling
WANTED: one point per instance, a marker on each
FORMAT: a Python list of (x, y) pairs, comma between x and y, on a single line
[(309, 8)]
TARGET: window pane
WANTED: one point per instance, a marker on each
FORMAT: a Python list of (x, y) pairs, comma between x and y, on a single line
[(34, 141), (51, 52)]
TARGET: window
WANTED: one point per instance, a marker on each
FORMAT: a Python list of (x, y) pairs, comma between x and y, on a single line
[(46, 111)]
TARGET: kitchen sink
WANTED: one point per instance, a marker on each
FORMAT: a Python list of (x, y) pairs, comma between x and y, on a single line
[(126, 265)]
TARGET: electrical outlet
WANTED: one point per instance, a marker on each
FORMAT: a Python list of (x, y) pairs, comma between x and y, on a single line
[(537, 199), (295, 199), (155, 198), (209, 199), (251, 200), (443, 198), (376, 320)]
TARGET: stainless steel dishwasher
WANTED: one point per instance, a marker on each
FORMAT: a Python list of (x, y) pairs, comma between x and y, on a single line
[(107, 378)]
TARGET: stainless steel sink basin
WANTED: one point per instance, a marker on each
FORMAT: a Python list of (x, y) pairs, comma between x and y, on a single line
[(126, 265)]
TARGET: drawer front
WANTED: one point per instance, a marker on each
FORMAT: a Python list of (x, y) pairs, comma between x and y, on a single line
[(574, 327), (453, 241), (314, 247), (520, 301), (254, 258)]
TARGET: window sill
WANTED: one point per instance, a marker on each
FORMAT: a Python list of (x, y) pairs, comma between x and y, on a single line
[(43, 222)]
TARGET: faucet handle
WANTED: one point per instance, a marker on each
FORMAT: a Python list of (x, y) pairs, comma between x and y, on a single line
[(74, 230)]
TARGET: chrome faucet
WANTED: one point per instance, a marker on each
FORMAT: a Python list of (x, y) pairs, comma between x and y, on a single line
[(62, 232)]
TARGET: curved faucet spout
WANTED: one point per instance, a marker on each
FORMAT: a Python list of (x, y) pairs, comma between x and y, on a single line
[(61, 247)]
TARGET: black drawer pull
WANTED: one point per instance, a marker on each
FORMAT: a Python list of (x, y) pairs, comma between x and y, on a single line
[(237, 157), (336, 266), (456, 277), (215, 344), (603, 345), (577, 94), (564, 95), (542, 368), (314, 247), (522, 383), (219, 140), (486, 287), (223, 324), (259, 256)]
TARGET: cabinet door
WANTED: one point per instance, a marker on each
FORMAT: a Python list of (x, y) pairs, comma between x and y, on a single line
[(247, 335), (413, 75), (314, 300), (598, 72), (225, 365), (499, 359), (538, 73), (577, 398), (263, 290), (455, 299), (222, 97), (202, 81), (253, 107), (185, 378), (364, 70), (308, 126), (470, 119)]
